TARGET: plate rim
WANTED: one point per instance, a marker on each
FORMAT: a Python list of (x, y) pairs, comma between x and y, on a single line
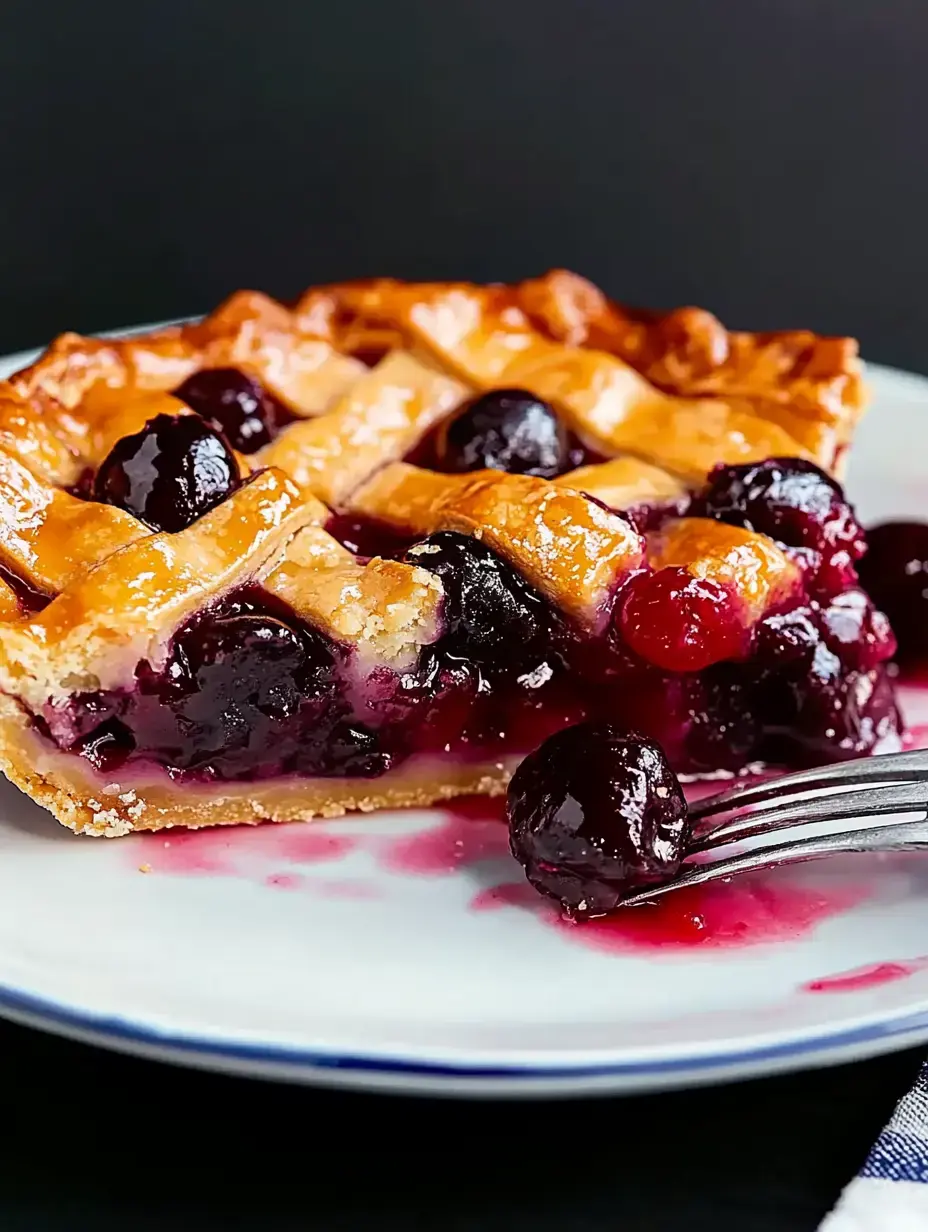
[(394, 1071)]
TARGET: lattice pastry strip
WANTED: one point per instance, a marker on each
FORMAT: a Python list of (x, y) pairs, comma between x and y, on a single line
[(385, 608), (810, 385), (379, 420), (39, 438), (689, 351), (752, 565), (50, 538), (93, 634), (606, 401), (572, 550), (623, 483), (249, 331)]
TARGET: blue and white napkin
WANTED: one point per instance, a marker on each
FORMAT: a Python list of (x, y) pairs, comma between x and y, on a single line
[(890, 1193)]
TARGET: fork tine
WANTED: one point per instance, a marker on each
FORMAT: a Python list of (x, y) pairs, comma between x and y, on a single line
[(903, 836), (873, 801), (889, 768)]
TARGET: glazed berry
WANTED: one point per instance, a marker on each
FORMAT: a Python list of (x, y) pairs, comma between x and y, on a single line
[(789, 499), (232, 685), (491, 615), (858, 634), (504, 430), (594, 815), (170, 473), (679, 622), (895, 575), (108, 746), (842, 714), (235, 405), (256, 661)]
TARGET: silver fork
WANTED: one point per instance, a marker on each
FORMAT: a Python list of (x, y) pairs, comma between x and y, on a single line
[(849, 791)]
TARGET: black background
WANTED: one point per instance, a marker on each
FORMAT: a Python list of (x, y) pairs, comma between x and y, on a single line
[(766, 159), (99, 1143), (763, 157)]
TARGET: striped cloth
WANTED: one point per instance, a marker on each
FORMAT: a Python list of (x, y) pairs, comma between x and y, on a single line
[(890, 1194)]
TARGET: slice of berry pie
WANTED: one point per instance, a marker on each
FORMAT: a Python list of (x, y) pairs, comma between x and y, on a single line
[(371, 549)]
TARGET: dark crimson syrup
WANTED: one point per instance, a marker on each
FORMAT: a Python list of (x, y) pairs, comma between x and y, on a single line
[(368, 538), (724, 915)]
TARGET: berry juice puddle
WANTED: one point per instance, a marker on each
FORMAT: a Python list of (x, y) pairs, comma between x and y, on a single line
[(249, 691), (471, 839)]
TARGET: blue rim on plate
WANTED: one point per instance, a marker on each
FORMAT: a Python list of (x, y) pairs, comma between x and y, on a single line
[(211, 1054)]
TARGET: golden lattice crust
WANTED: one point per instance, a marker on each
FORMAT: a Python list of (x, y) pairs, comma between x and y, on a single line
[(367, 370)]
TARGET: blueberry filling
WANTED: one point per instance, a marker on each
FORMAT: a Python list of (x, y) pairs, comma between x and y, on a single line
[(492, 618), (169, 474), (247, 691), (504, 430), (250, 691), (236, 405)]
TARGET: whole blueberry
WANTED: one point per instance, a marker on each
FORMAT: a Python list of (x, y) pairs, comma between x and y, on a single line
[(235, 405), (594, 814), (491, 615), (790, 499), (168, 474), (504, 430), (894, 573)]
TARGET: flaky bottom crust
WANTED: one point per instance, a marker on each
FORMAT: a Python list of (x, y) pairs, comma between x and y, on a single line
[(117, 804)]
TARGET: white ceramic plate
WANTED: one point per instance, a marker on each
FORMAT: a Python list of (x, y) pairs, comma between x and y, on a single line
[(382, 953)]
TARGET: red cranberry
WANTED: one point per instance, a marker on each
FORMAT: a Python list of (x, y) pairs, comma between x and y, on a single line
[(681, 623), (595, 814), (895, 574), (504, 430), (789, 499), (491, 615), (170, 473), (235, 405)]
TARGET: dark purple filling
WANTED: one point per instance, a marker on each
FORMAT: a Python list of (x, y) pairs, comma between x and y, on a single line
[(30, 599), (503, 430), (238, 406), (368, 538), (249, 691)]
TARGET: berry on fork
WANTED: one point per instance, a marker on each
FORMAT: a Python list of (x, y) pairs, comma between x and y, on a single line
[(595, 814)]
